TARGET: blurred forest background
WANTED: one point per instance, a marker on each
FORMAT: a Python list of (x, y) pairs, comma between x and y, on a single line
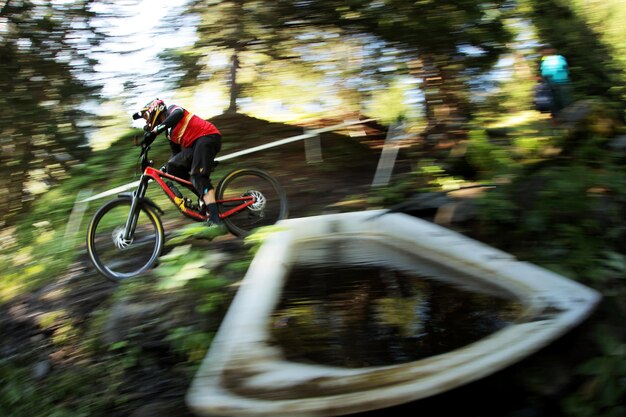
[(458, 74)]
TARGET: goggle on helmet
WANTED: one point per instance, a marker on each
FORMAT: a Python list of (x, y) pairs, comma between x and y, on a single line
[(151, 112)]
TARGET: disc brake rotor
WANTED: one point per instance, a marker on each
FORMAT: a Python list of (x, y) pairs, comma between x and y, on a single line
[(118, 238), (259, 201)]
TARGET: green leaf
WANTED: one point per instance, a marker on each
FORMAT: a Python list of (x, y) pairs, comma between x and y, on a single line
[(177, 252)]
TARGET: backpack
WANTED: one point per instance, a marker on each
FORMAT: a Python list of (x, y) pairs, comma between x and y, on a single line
[(543, 97), (554, 69)]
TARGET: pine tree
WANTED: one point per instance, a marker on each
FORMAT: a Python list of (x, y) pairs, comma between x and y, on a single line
[(43, 64)]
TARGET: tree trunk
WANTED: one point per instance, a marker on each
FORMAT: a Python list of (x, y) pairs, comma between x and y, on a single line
[(234, 85), (238, 45), (445, 103)]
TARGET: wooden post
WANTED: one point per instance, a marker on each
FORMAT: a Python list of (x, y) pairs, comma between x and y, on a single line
[(313, 149), (76, 217), (388, 155)]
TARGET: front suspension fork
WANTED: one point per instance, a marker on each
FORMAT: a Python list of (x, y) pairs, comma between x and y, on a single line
[(133, 216)]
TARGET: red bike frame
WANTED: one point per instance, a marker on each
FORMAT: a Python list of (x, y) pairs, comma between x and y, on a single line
[(157, 176)]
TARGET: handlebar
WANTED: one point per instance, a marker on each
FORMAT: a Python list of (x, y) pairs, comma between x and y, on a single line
[(143, 156), (148, 138), (145, 147)]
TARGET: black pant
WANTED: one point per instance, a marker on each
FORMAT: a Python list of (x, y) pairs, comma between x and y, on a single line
[(196, 162)]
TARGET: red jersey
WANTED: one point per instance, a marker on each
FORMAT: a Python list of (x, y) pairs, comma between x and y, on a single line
[(190, 128)]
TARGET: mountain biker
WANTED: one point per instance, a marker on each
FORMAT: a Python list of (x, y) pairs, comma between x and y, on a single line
[(194, 143)]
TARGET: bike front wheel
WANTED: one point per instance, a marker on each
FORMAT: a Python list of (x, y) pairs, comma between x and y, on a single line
[(270, 200), (118, 258)]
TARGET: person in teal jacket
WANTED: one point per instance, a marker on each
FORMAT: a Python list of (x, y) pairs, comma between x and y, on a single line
[(555, 72)]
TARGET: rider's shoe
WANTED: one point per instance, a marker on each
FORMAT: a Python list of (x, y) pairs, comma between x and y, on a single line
[(202, 207), (217, 225), (210, 222)]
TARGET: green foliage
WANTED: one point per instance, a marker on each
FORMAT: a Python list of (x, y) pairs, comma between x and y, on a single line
[(184, 266), (436, 177), (194, 231), (390, 105), (190, 270), (34, 255), (490, 160), (395, 192), (126, 355), (69, 394), (190, 342), (603, 392), (291, 86), (256, 239), (566, 212), (606, 19), (559, 202)]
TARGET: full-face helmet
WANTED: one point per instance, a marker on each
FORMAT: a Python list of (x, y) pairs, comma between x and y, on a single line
[(151, 113)]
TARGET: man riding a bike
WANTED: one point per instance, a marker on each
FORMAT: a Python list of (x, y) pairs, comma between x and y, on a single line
[(126, 237), (194, 142)]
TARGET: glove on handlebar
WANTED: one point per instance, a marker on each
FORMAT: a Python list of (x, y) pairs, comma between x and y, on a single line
[(148, 138)]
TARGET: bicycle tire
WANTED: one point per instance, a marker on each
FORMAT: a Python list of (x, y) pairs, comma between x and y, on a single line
[(271, 207), (116, 263)]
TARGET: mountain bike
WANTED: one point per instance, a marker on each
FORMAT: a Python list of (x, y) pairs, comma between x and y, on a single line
[(126, 236)]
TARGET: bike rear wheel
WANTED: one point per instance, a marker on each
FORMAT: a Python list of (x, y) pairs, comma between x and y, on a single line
[(117, 258), (270, 203)]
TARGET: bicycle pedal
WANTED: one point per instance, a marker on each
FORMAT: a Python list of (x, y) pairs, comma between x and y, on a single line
[(190, 205), (201, 208)]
